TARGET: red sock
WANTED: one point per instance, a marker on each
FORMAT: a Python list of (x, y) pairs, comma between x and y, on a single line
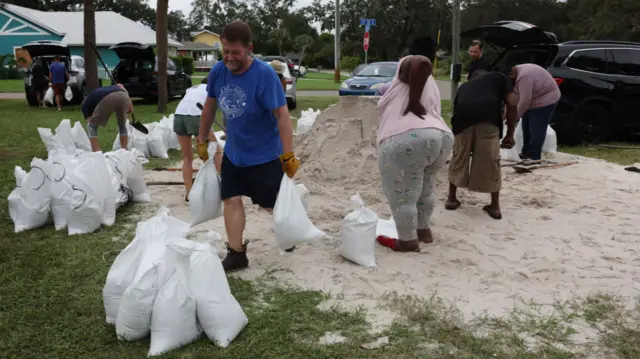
[(387, 242)]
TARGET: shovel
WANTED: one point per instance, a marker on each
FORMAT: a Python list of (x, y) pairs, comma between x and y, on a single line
[(529, 169), (137, 125)]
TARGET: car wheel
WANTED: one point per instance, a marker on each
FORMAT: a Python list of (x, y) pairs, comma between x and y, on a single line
[(591, 124)]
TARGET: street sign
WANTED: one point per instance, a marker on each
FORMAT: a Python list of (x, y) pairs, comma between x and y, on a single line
[(367, 22), (365, 41)]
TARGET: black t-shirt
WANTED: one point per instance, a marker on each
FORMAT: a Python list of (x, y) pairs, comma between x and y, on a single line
[(90, 103), (478, 64), (480, 100)]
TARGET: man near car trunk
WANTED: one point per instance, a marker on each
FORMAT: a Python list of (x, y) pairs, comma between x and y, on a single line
[(58, 76), (477, 127), (477, 61), (98, 107), (259, 145), (538, 95)]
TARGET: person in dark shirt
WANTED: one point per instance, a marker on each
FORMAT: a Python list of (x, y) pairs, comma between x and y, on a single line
[(477, 61), (477, 127), (39, 80), (58, 76), (98, 107)]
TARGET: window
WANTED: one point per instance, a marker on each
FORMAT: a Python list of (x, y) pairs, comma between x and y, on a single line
[(588, 60), (626, 62)]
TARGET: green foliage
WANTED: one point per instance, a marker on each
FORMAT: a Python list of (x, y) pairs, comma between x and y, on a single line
[(349, 62), (185, 63), (9, 68)]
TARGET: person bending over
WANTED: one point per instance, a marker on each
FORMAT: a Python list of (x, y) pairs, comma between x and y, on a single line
[(477, 126), (97, 108), (413, 144), (259, 145)]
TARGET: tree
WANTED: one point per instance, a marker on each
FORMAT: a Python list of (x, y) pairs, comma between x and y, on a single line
[(198, 18), (302, 43), (178, 26), (90, 61), (279, 37), (162, 52)]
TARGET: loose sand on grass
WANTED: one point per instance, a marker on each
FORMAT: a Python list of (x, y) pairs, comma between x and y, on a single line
[(566, 232)]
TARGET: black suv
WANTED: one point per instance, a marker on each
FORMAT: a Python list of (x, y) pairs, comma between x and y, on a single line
[(138, 68), (599, 80)]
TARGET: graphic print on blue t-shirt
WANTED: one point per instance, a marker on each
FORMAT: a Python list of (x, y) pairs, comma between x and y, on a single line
[(232, 101), (247, 101)]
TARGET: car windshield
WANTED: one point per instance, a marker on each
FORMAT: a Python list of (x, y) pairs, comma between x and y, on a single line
[(379, 70)]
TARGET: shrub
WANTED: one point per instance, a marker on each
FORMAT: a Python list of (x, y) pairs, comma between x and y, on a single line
[(185, 63), (349, 62)]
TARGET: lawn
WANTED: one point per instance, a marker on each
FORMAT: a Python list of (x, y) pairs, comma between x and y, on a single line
[(51, 293), (12, 85)]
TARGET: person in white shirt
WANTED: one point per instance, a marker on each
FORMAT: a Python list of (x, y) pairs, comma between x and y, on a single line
[(186, 124)]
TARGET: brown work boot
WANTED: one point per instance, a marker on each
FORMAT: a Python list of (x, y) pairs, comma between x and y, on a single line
[(407, 246), (235, 259), (425, 235)]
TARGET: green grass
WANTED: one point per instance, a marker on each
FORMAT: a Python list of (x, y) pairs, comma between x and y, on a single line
[(51, 293), (323, 76), (12, 85), (204, 74), (316, 85)]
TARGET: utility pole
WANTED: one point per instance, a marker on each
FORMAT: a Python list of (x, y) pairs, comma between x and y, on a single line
[(456, 67), (337, 44)]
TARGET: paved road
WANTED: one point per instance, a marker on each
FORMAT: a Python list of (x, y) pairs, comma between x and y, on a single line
[(444, 86)]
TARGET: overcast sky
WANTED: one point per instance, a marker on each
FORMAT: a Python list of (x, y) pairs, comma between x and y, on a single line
[(185, 5)]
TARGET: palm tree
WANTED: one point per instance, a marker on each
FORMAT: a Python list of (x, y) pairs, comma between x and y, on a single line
[(90, 61), (279, 36), (301, 43), (162, 52)]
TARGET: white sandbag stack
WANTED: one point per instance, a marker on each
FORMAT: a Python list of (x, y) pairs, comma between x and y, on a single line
[(80, 137), (307, 118), (358, 235), (291, 223), (167, 124), (30, 201), (168, 287)]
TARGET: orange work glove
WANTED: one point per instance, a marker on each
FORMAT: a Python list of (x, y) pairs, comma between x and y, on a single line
[(290, 164), (203, 152)]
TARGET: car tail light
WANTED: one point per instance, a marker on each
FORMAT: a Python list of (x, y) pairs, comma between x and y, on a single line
[(558, 80), (290, 66), (289, 81)]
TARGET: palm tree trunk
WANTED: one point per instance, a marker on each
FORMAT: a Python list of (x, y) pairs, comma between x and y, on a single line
[(90, 60), (162, 52)]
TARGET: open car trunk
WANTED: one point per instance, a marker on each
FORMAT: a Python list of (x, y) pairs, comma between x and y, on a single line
[(516, 42), (135, 70)]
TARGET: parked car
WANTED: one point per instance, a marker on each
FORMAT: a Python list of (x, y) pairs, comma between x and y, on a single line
[(284, 60), (367, 81), (358, 69), (299, 70), (292, 98), (137, 71), (599, 80), (42, 53)]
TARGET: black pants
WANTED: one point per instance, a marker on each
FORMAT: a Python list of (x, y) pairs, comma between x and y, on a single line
[(261, 183)]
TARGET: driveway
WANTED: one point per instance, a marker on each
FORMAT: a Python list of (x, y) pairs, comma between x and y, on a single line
[(11, 95)]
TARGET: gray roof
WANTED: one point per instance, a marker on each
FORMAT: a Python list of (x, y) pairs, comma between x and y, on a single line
[(111, 27), (196, 46)]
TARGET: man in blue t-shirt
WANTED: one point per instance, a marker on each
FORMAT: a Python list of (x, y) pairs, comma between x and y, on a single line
[(259, 144), (58, 76)]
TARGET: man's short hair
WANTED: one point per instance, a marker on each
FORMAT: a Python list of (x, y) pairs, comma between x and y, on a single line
[(476, 43), (237, 31)]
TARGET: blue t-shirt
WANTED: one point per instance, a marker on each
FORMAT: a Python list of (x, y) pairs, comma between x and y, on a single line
[(247, 102), (58, 73)]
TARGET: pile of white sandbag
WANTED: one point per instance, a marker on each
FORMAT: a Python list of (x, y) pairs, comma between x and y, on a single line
[(307, 118), (160, 139), (81, 189), (513, 154), (171, 288)]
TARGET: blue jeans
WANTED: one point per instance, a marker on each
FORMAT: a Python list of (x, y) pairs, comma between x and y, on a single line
[(534, 130)]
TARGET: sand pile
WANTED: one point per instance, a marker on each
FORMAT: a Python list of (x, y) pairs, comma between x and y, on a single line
[(565, 232)]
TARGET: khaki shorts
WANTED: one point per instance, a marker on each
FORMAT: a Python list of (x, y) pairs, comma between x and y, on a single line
[(186, 125), (117, 102), (480, 172)]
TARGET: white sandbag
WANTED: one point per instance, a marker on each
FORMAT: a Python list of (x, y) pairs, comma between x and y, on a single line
[(134, 313), (80, 137), (130, 135), (68, 94), (30, 201), (118, 175), (205, 201), (135, 178), (156, 144), (387, 228), (88, 196), (49, 96), (513, 154), (173, 319), (307, 118), (140, 142), (61, 187), (550, 141), (358, 235), (304, 195), (290, 221), (65, 137), (219, 313), (167, 123), (49, 140), (103, 180), (219, 135), (166, 133)]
